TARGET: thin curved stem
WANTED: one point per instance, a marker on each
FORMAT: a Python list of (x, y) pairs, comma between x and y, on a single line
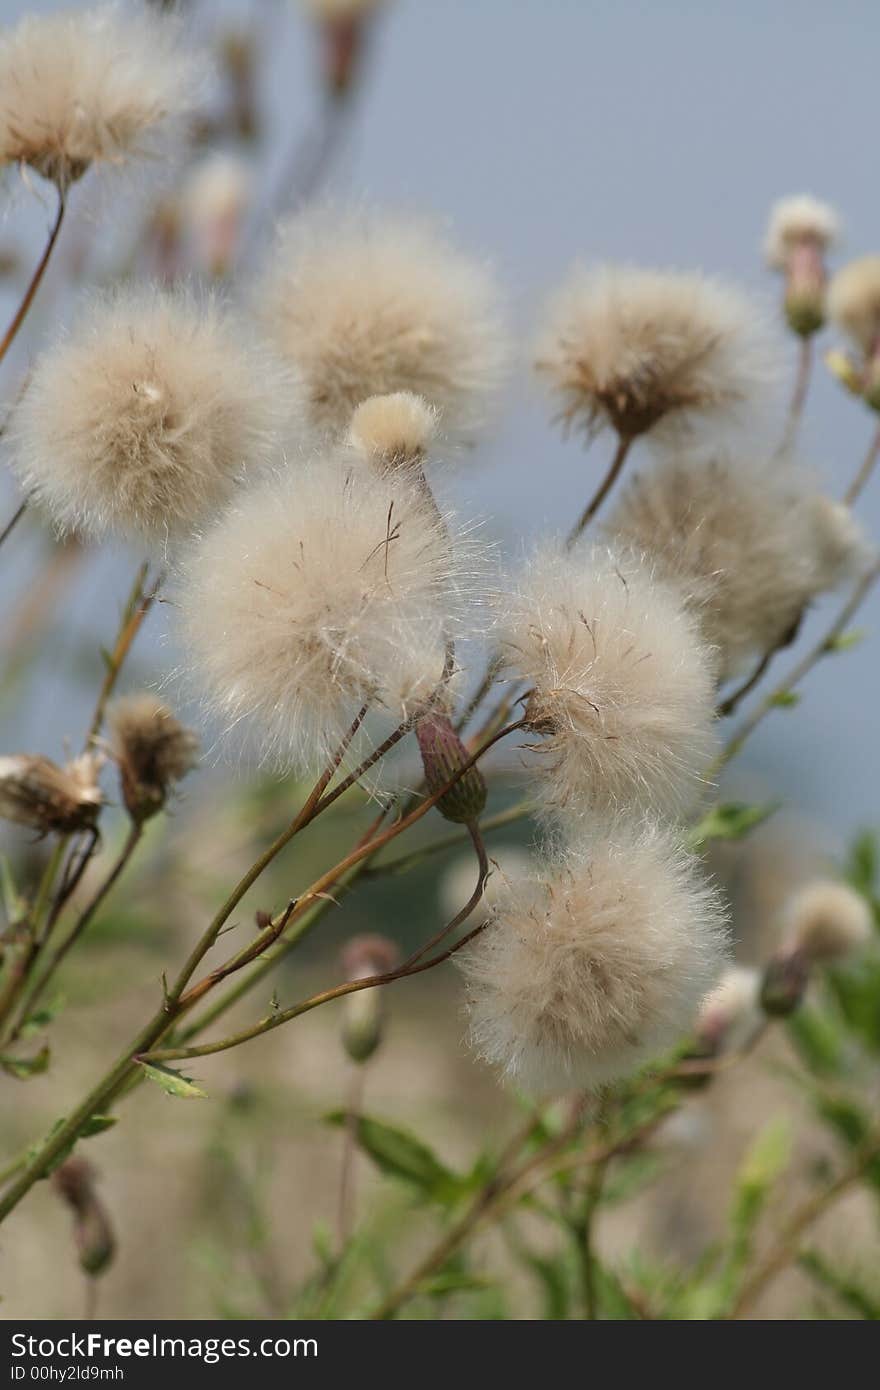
[(799, 395), (21, 312), (786, 1249), (14, 520), (624, 443), (135, 611), (869, 462), (32, 997), (306, 814)]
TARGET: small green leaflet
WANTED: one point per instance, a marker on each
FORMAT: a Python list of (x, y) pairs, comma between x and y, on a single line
[(785, 699), (730, 822), (401, 1155), (846, 640), (23, 1068), (173, 1082)]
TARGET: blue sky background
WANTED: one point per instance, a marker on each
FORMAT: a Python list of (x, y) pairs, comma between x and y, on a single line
[(544, 131)]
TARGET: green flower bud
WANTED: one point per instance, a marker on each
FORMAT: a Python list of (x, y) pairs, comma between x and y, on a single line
[(443, 755)]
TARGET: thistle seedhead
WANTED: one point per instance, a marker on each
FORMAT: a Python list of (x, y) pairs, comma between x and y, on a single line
[(635, 349), (38, 793), (393, 431), (152, 749), (595, 963), (444, 755), (90, 86)]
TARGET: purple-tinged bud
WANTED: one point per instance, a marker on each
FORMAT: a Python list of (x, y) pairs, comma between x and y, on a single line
[(806, 280), (785, 983), (92, 1231), (443, 755), (364, 1010)]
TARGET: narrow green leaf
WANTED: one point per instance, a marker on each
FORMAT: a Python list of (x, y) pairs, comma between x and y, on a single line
[(401, 1155), (845, 640), (14, 904), (848, 1289), (785, 699), (41, 1018), (173, 1083), (23, 1068), (730, 821)]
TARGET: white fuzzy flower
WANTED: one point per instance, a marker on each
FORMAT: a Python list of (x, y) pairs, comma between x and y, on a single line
[(796, 221), (596, 965), (827, 920), (621, 683), (746, 540), (635, 348), (731, 1012), (322, 590), (365, 305), (854, 302), (393, 431), (145, 417), (90, 86)]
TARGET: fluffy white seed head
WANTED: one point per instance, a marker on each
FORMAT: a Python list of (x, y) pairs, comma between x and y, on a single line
[(143, 419), (90, 86), (796, 221), (365, 305), (854, 302), (393, 431), (731, 1012), (622, 684), (827, 920), (748, 542), (594, 966), (636, 348), (322, 590)]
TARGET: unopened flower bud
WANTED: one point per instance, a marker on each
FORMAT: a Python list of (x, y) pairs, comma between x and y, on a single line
[(343, 26), (800, 232), (364, 1010), (730, 1012), (805, 289), (443, 755), (215, 200), (826, 921), (785, 983), (38, 793), (393, 431), (92, 1230), (153, 751), (841, 366)]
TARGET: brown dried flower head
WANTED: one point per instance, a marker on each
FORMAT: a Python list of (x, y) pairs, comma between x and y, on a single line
[(38, 793), (153, 751)]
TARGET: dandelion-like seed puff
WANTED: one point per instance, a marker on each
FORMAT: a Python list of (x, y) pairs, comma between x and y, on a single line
[(747, 541), (94, 86), (621, 684), (323, 590), (595, 965), (367, 305), (143, 420), (634, 349)]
